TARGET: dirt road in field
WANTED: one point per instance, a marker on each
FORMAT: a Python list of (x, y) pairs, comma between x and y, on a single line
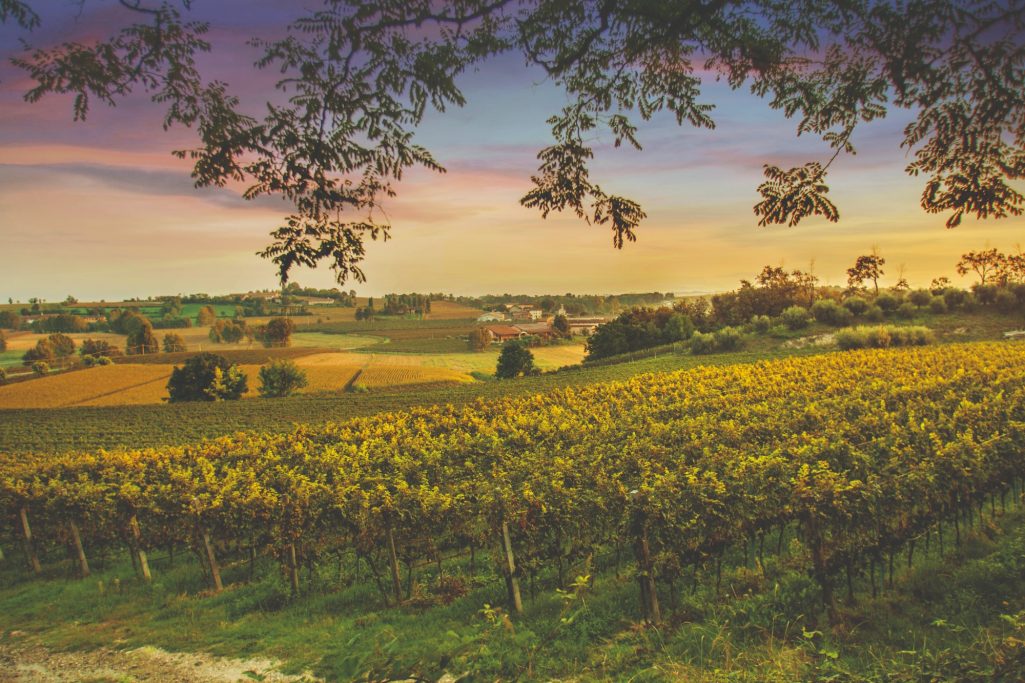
[(27, 663)]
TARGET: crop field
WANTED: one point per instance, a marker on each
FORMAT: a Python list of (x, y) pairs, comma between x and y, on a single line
[(251, 355), (23, 341), (337, 342), (382, 376), (127, 384), (132, 384)]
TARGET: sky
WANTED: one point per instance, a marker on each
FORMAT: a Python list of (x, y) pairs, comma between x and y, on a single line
[(101, 210)]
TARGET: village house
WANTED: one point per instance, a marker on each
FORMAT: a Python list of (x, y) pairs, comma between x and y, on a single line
[(491, 317), (503, 333), (526, 312), (584, 326), (543, 330)]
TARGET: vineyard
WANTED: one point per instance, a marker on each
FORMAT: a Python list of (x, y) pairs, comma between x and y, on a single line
[(858, 455)]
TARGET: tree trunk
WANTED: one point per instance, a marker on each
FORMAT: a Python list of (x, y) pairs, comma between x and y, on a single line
[(512, 583), (30, 548), (83, 564), (133, 524), (215, 570)]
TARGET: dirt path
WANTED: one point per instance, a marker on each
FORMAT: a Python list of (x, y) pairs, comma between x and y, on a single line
[(23, 662)]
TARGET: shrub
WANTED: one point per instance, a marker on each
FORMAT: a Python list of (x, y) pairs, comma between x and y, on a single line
[(206, 377), (174, 343), (1018, 289), (104, 360), (3, 341), (41, 367), (1006, 302), (98, 347), (906, 310), (954, 297), (883, 336), (887, 301), (702, 343), (728, 339), (920, 297), (761, 323), (986, 295), (3, 376), (875, 314), (88, 361), (281, 378), (938, 305), (856, 305), (795, 317), (831, 313)]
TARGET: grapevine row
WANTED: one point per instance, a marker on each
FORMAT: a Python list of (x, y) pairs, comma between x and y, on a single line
[(860, 453)]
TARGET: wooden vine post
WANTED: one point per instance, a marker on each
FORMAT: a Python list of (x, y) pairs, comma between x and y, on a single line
[(30, 548), (393, 562), (293, 569), (215, 569), (645, 570), (133, 525), (83, 563), (512, 582)]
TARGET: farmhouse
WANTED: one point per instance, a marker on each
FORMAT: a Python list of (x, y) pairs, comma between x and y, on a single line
[(584, 326), (543, 330), (503, 333), (525, 312), (491, 317)]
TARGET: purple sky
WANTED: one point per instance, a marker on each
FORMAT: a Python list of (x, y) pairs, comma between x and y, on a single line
[(100, 209)]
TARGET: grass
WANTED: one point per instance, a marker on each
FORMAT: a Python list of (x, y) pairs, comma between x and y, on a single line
[(944, 617)]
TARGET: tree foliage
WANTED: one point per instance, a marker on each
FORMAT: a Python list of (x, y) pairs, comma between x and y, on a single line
[(865, 268), (358, 77), (281, 378), (514, 360), (206, 377)]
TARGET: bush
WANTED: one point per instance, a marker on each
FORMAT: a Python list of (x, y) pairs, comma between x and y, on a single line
[(206, 377), (3, 341), (986, 295), (856, 305), (281, 378), (702, 343), (174, 343), (795, 317), (883, 336), (41, 367), (954, 297), (761, 323), (104, 360), (831, 313), (728, 339), (1006, 302), (920, 297), (938, 305), (887, 301), (98, 347), (875, 314), (3, 376), (906, 310)]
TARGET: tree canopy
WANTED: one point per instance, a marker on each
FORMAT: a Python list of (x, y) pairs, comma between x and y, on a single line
[(358, 77)]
